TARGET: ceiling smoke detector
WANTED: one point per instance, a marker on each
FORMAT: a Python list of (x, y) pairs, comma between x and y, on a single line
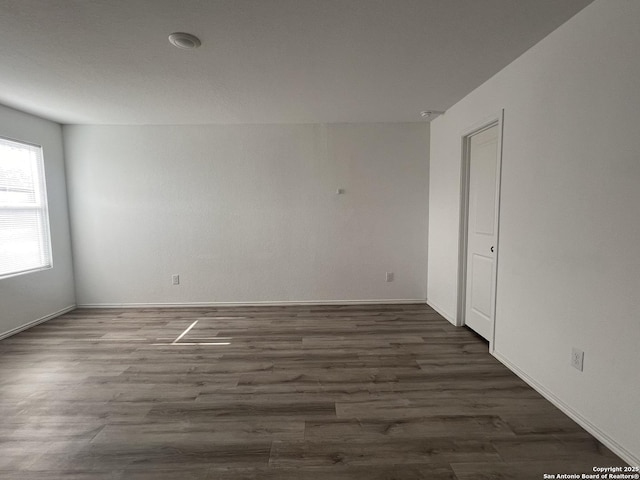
[(185, 41), (430, 114)]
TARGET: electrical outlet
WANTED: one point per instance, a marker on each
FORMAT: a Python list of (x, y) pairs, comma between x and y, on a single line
[(389, 277), (175, 279), (577, 358)]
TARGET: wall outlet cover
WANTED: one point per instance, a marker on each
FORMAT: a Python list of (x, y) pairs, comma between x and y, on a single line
[(577, 359)]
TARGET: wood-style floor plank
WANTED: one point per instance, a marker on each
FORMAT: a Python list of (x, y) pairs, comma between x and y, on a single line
[(376, 392)]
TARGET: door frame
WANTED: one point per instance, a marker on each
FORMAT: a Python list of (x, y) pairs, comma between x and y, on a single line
[(486, 123)]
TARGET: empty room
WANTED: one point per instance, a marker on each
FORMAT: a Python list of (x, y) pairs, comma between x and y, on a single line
[(319, 239)]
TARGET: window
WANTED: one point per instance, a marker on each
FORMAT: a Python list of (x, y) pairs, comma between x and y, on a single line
[(25, 241)]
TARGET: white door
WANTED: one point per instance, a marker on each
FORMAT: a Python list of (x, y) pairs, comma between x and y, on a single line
[(482, 229)]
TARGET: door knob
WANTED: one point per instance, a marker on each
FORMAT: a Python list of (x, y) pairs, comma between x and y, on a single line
[(491, 248)]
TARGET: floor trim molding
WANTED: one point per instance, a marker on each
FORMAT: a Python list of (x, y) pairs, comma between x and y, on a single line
[(442, 312), (40, 320), (404, 301), (618, 449)]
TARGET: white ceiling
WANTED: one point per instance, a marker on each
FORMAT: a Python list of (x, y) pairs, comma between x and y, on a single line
[(261, 61)]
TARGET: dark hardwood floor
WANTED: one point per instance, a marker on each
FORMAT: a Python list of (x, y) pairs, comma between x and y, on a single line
[(328, 392)]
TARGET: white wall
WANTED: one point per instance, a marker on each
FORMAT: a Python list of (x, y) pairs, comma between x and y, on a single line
[(31, 297), (569, 268), (248, 213)]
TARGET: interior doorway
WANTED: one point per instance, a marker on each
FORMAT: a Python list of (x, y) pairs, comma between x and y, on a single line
[(481, 169)]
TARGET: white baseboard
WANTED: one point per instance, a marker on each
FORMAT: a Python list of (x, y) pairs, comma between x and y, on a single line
[(36, 322), (442, 312), (404, 301), (610, 443)]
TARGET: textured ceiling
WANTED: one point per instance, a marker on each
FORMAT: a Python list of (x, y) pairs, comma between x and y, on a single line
[(261, 61)]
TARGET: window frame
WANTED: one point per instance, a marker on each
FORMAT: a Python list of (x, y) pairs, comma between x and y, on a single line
[(40, 205)]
